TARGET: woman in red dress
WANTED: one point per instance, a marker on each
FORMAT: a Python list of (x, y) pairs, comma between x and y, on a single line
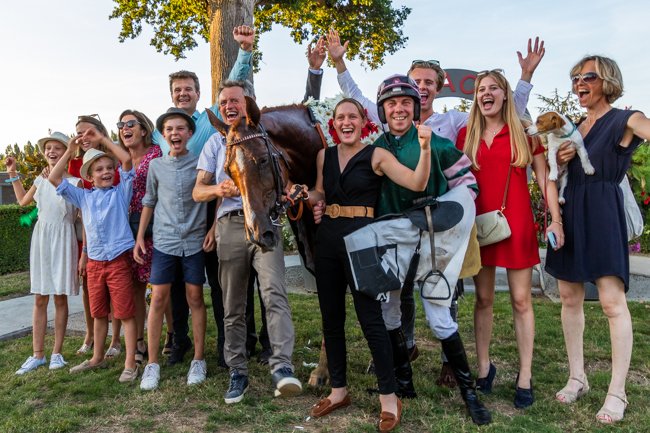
[(495, 142)]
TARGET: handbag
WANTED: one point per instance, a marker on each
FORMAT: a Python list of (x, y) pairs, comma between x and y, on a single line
[(493, 227), (633, 217)]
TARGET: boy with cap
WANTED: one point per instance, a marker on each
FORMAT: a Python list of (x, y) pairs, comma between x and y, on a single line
[(109, 240), (179, 238)]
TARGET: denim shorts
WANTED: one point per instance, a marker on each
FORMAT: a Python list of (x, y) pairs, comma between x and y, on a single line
[(164, 266)]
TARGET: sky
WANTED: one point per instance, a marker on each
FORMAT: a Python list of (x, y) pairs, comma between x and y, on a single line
[(62, 58)]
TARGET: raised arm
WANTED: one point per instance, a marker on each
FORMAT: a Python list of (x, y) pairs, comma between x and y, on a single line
[(384, 162), (528, 65), (121, 154), (315, 57), (24, 198), (245, 36), (349, 88)]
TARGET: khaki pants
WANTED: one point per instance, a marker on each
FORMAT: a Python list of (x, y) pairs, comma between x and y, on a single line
[(236, 255)]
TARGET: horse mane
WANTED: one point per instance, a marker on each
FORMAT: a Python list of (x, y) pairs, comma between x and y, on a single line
[(288, 107)]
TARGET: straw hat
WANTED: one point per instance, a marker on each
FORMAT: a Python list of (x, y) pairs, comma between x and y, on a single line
[(54, 136), (91, 156)]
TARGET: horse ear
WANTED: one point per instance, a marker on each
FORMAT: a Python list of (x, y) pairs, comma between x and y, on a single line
[(252, 112), (217, 123)]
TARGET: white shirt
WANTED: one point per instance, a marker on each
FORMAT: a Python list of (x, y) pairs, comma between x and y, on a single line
[(212, 160), (444, 125)]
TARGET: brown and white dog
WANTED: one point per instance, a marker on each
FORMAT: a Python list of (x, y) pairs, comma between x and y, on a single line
[(560, 129)]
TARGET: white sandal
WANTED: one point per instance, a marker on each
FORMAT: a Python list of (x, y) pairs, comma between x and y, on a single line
[(568, 397), (608, 416), (85, 348), (113, 352)]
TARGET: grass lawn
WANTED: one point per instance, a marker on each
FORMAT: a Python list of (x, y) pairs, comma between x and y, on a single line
[(45, 401), (12, 285)]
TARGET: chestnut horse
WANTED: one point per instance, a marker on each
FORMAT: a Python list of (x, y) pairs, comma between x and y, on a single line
[(263, 151)]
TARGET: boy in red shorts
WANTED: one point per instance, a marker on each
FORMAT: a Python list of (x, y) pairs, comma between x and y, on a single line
[(104, 209)]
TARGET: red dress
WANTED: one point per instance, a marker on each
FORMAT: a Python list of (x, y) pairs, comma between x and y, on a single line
[(521, 249)]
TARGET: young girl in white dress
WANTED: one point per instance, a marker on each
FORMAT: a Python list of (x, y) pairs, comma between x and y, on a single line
[(53, 253)]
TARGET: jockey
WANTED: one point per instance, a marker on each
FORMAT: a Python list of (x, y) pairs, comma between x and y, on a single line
[(398, 106)]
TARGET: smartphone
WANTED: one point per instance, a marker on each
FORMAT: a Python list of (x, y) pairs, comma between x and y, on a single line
[(552, 240)]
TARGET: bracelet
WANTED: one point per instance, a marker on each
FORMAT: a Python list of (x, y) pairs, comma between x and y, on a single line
[(557, 222), (12, 179)]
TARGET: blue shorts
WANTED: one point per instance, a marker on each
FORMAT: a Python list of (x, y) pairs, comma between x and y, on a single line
[(163, 268)]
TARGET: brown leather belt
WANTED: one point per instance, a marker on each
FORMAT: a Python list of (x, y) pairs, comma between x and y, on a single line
[(335, 211)]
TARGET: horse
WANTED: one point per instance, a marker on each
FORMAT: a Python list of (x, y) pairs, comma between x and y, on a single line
[(264, 150)]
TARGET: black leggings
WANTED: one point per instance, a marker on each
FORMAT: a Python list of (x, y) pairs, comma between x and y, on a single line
[(331, 281)]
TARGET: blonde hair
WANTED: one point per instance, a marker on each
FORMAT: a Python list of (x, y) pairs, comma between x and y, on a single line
[(440, 73), (520, 151), (608, 70)]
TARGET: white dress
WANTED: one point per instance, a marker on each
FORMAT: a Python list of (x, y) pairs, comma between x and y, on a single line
[(53, 254)]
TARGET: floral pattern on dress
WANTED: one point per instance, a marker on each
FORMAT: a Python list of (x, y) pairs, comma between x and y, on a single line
[(142, 273)]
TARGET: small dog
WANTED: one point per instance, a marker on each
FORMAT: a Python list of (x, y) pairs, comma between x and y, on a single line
[(560, 129)]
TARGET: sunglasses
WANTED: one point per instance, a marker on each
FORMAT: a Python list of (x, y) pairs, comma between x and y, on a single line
[(587, 77), (429, 63), (129, 123), (487, 71), (84, 117)]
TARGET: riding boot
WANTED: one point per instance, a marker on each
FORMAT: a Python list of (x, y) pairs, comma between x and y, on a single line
[(402, 365), (455, 352)]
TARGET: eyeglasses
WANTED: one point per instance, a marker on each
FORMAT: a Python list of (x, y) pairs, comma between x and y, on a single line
[(429, 63), (129, 123), (587, 77), (488, 71)]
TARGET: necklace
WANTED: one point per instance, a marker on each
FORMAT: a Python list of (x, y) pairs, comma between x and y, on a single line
[(495, 131)]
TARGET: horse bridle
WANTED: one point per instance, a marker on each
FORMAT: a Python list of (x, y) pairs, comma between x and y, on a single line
[(275, 155)]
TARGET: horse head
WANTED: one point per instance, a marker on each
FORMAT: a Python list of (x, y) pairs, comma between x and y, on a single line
[(255, 166)]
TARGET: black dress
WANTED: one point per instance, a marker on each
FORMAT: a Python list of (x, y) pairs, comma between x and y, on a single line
[(593, 215), (358, 185)]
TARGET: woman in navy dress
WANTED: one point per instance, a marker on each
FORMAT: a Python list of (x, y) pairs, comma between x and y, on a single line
[(595, 247)]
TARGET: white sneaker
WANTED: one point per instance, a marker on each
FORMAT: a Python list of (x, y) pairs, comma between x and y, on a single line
[(31, 364), (150, 377), (57, 361), (197, 373)]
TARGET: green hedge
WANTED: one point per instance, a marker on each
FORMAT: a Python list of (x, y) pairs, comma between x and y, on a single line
[(14, 239)]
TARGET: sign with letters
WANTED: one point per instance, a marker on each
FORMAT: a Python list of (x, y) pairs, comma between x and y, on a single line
[(458, 84)]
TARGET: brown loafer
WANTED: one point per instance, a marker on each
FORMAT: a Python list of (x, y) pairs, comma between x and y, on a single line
[(388, 421), (325, 406)]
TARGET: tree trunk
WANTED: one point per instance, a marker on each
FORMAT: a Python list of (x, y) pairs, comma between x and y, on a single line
[(225, 15)]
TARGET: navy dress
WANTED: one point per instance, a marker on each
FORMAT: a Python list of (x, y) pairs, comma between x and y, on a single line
[(593, 215)]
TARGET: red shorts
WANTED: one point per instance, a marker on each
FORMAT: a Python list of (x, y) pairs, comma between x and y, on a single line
[(111, 282)]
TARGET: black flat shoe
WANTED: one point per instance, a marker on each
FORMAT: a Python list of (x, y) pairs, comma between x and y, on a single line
[(484, 384), (523, 396)]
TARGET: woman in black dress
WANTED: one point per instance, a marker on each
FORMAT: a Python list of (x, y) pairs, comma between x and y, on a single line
[(595, 247), (349, 175)]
